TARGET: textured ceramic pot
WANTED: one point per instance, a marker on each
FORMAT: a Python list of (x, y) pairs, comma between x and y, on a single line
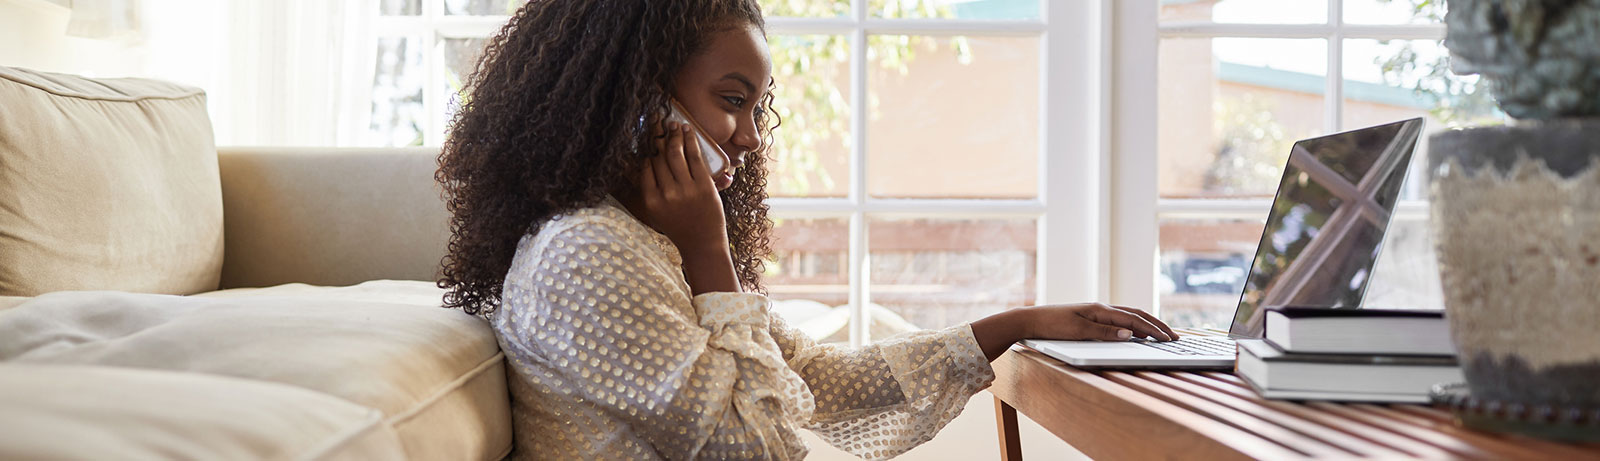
[(1516, 221)]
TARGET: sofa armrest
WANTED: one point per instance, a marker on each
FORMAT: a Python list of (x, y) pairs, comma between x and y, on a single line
[(330, 216)]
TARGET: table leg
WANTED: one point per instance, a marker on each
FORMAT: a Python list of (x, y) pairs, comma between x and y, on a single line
[(1005, 419)]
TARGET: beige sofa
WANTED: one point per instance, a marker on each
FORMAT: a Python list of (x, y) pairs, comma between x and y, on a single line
[(162, 299)]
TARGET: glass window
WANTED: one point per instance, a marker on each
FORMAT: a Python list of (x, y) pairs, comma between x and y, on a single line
[(986, 147), (1230, 109), (1203, 265), (955, 9), (808, 280), (1395, 11), (805, 8), (811, 147), (1389, 80), (460, 57), (398, 117), (482, 7), (935, 273), (1245, 11), (924, 143), (399, 7), (1407, 272)]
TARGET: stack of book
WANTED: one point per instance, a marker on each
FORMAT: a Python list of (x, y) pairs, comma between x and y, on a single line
[(1368, 355)]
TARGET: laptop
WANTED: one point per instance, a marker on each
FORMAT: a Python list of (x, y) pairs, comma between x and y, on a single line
[(1319, 246)]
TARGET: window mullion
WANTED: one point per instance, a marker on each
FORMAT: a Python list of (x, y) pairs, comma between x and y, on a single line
[(1134, 191), (432, 130), (1334, 104), (1074, 152), (860, 275)]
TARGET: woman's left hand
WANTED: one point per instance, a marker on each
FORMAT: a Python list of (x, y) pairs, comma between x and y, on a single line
[(1092, 321)]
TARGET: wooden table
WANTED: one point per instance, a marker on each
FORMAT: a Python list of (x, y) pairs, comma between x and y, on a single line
[(1114, 415)]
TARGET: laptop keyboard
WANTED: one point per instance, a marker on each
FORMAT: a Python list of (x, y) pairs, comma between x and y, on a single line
[(1194, 345)]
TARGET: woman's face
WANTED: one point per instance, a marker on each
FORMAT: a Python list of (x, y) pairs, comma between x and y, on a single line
[(722, 89)]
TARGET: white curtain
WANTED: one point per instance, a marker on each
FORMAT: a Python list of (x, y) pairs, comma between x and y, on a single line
[(299, 72), (276, 72)]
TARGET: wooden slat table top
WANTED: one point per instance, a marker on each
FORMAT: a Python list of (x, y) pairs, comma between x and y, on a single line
[(1133, 414)]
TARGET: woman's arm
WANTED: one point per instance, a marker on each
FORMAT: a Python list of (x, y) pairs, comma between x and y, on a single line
[(605, 321), (998, 332)]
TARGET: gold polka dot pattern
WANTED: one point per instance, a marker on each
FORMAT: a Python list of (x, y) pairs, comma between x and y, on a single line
[(612, 358)]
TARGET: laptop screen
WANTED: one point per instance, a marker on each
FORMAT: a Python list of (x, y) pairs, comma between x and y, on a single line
[(1327, 222)]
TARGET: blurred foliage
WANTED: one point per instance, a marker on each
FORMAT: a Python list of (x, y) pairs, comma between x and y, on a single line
[(1253, 146), (812, 74), (1457, 101), (1252, 149)]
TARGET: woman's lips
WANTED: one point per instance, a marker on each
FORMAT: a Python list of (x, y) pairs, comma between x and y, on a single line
[(724, 179)]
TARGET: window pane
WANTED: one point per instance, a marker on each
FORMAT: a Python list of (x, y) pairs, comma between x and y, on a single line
[(1246, 11), (1204, 263), (811, 148), (398, 116), (809, 281), (400, 7), (805, 8), (460, 57), (1394, 11), (1203, 268), (1230, 109), (955, 9), (934, 273), (482, 7), (1390, 80), (1407, 273), (922, 142)]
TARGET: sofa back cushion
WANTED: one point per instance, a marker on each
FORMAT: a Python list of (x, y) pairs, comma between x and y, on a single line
[(106, 184), (331, 216)]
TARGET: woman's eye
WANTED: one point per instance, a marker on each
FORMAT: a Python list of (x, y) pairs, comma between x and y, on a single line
[(735, 100)]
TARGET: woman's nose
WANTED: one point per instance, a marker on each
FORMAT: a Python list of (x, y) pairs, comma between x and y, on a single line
[(745, 138)]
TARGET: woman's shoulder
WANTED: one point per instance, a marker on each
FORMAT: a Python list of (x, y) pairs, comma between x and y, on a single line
[(601, 216), (606, 222)]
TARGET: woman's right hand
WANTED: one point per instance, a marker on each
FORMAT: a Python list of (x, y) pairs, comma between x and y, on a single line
[(1091, 321), (681, 202)]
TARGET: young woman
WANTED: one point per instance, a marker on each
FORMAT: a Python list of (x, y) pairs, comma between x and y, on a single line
[(623, 278)]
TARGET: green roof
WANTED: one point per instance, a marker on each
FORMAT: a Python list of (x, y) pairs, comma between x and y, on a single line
[(1316, 84)]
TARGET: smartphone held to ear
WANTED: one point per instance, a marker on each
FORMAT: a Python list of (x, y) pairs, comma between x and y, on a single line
[(716, 160)]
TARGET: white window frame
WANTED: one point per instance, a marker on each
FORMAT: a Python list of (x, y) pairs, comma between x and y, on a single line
[(1136, 198), (1069, 207), (1066, 208), (432, 26)]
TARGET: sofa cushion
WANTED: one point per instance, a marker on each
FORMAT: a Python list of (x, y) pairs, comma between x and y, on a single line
[(106, 184), (331, 216), (436, 374), (87, 412)]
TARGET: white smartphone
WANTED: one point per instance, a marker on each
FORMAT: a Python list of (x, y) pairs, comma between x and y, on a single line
[(716, 159)]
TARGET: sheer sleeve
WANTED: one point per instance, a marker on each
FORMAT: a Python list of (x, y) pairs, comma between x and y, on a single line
[(696, 377), (881, 400)]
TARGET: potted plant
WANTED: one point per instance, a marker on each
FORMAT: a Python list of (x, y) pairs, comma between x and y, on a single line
[(1516, 219)]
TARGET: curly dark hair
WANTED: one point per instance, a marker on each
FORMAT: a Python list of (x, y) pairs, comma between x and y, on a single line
[(550, 122)]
